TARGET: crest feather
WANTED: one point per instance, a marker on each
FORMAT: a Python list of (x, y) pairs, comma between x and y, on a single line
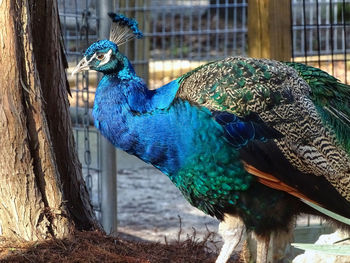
[(123, 29)]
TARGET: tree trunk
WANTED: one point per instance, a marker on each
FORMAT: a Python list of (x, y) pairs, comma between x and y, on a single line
[(42, 192)]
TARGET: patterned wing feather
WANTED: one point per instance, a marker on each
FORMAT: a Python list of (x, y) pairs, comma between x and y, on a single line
[(284, 101), (332, 99)]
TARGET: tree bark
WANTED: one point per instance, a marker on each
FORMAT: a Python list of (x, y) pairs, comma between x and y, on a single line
[(42, 192)]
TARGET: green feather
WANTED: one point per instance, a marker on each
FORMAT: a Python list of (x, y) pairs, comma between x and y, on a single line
[(236, 85)]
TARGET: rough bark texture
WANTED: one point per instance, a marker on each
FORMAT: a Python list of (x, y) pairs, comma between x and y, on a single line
[(48, 47), (42, 192)]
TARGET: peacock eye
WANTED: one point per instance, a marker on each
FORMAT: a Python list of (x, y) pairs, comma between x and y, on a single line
[(100, 56)]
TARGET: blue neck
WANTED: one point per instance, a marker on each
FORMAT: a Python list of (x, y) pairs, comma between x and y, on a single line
[(121, 100)]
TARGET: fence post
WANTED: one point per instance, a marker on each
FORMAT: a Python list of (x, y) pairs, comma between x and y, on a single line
[(269, 29), (108, 152)]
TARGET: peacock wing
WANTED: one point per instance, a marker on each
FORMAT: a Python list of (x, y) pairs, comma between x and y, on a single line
[(278, 99)]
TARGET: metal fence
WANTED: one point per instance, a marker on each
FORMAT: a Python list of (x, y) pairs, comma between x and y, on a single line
[(321, 34), (79, 26), (183, 34)]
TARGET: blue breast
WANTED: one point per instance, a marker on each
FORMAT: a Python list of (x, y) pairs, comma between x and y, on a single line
[(165, 136), (183, 141)]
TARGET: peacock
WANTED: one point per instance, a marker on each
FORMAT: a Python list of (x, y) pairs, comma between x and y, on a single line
[(241, 138)]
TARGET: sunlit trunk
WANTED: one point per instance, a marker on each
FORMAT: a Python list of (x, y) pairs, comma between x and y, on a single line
[(42, 192)]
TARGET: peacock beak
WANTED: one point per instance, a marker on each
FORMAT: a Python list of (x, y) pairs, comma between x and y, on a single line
[(82, 65)]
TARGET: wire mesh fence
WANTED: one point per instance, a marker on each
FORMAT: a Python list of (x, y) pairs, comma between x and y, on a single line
[(79, 27), (183, 34), (321, 35)]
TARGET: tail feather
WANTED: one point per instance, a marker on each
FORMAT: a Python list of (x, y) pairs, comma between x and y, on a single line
[(272, 182)]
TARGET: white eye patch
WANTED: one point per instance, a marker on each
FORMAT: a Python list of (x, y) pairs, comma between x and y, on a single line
[(88, 61), (106, 58)]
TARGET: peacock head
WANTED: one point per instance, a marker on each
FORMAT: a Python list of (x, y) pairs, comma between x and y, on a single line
[(103, 55)]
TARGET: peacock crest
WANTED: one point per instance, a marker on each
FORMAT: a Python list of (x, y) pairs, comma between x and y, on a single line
[(123, 29)]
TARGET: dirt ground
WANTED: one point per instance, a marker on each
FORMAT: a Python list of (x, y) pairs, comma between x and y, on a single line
[(150, 208)]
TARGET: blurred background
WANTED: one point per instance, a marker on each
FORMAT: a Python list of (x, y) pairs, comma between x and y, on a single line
[(132, 197)]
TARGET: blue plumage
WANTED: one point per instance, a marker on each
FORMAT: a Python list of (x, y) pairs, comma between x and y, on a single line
[(166, 132), (102, 46), (240, 131), (171, 134)]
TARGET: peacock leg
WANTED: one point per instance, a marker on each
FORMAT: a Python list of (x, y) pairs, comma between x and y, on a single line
[(233, 232), (262, 248)]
